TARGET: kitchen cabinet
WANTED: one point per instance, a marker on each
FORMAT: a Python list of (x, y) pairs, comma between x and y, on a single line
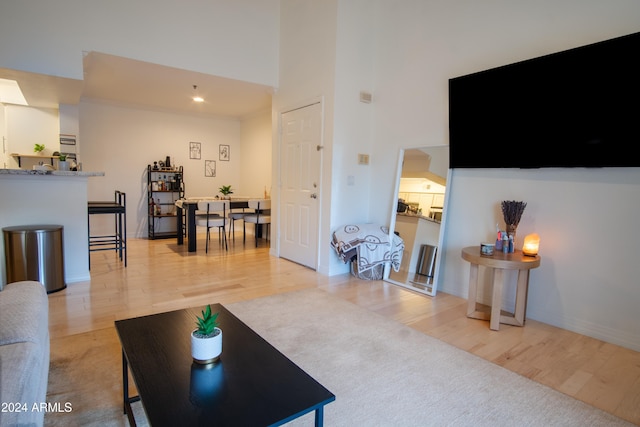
[(429, 204), (164, 187)]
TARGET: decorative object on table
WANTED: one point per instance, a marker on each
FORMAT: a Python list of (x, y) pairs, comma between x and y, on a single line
[(512, 212), (225, 190), (210, 168), (167, 162), (225, 153), (195, 150), (63, 164), (206, 339), (531, 244), (38, 148), (486, 249)]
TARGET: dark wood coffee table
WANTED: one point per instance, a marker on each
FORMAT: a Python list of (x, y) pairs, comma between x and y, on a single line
[(252, 384)]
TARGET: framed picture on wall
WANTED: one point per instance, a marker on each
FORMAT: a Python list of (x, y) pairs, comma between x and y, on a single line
[(210, 168), (195, 150), (224, 153)]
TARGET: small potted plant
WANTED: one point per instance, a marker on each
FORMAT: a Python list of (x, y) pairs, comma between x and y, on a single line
[(206, 339), (38, 148), (63, 164), (225, 190)]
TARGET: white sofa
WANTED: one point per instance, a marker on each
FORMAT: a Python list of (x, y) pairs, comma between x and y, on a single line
[(24, 353)]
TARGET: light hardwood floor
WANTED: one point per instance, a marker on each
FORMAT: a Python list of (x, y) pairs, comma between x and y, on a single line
[(162, 276)]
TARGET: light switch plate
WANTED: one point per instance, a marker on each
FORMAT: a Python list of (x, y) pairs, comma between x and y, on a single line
[(363, 159)]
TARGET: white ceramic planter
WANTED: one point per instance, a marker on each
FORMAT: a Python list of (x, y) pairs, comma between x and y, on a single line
[(206, 350)]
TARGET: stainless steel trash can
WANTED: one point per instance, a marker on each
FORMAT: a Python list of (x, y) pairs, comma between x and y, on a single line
[(427, 260), (35, 252)]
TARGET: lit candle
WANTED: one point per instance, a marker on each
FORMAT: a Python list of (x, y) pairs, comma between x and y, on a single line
[(531, 244)]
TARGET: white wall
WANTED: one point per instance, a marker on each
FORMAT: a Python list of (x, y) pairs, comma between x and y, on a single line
[(255, 143), (122, 141), (353, 118), (235, 39), (27, 126), (307, 69), (4, 154), (587, 281)]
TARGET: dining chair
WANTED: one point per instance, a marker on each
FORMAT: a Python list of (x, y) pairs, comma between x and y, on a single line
[(215, 215), (261, 216), (233, 217)]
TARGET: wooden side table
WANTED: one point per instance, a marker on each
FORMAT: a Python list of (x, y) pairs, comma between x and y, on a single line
[(499, 262)]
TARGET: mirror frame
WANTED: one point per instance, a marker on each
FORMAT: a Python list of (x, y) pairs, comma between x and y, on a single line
[(443, 221)]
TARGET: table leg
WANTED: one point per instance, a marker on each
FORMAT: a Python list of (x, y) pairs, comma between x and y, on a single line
[(179, 235), (496, 300), (521, 297), (320, 416), (473, 290), (125, 392), (191, 228), (125, 382)]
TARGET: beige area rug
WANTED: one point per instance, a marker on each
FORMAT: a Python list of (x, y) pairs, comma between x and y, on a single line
[(382, 372), (85, 375)]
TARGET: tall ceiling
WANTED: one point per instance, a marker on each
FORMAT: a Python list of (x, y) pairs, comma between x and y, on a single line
[(118, 80)]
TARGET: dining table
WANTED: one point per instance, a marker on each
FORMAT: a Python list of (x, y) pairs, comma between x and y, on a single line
[(186, 214)]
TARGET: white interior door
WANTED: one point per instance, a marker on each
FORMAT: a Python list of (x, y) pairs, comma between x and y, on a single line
[(300, 184)]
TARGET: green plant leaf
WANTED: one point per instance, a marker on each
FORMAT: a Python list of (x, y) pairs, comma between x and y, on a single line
[(208, 323), (225, 189)]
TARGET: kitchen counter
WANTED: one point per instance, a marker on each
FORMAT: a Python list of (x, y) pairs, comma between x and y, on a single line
[(25, 172), (410, 215), (33, 197)]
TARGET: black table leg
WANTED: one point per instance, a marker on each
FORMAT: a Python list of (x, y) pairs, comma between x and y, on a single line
[(125, 392), (179, 235), (191, 227), (125, 382)]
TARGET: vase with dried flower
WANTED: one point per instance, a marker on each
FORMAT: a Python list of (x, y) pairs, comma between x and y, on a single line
[(512, 212)]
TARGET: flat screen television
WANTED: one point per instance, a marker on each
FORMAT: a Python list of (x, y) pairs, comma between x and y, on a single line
[(576, 108)]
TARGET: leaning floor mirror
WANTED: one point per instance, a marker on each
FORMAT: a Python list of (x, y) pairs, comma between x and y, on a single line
[(418, 216)]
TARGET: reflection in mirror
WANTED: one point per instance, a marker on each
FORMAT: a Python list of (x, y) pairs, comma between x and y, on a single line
[(418, 216)]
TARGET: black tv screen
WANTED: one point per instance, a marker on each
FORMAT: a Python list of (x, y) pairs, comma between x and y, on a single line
[(576, 108)]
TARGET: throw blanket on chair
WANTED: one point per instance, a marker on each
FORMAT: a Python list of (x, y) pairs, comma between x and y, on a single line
[(370, 243)]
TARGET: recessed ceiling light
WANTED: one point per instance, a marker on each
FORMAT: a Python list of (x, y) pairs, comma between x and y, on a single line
[(196, 97)]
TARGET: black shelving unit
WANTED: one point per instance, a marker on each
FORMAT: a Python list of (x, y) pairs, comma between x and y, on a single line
[(164, 187)]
